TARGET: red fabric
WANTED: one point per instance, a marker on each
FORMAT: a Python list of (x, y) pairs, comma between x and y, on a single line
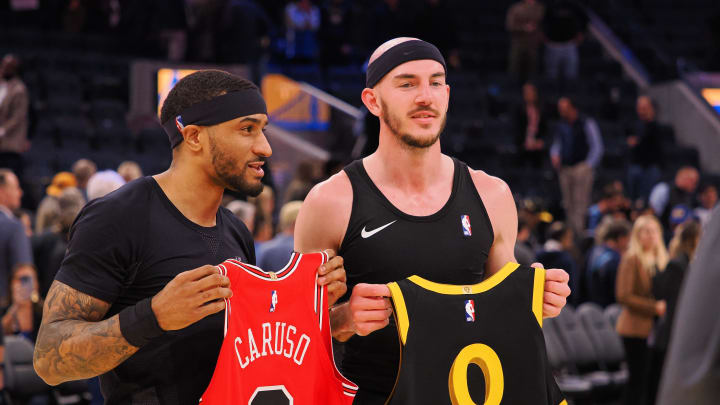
[(254, 359)]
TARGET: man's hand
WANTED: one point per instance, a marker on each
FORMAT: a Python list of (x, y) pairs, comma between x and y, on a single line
[(332, 274), (555, 160), (191, 296), (368, 310), (556, 291)]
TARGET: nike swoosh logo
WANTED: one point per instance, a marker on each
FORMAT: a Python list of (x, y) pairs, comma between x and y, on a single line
[(366, 234)]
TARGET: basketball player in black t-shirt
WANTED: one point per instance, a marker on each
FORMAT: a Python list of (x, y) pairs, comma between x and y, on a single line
[(407, 209), (137, 299)]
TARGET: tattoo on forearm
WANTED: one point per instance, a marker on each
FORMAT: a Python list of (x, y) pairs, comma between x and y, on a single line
[(73, 342)]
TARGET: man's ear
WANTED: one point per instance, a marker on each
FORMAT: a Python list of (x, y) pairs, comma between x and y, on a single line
[(191, 137), (371, 101)]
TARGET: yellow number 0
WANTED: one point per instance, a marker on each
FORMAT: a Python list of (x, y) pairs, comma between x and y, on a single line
[(485, 358)]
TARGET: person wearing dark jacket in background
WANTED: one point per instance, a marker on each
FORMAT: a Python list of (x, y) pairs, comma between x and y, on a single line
[(644, 138), (666, 286), (531, 128)]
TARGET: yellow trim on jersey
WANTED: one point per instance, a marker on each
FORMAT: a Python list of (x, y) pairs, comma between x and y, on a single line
[(401, 314), (537, 297), (483, 286)]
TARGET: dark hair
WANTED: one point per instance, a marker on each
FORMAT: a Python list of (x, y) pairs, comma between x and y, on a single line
[(201, 86), (705, 186), (571, 100), (557, 230), (687, 238), (609, 191), (616, 230)]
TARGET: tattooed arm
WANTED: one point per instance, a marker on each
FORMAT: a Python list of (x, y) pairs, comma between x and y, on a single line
[(73, 342)]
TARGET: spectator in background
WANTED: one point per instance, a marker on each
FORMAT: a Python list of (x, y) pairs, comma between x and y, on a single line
[(274, 254), (663, 197), (523, 23), (264, 209), (83, 169), (129, 171), (14, 245), (74, 16), (524, 253), (645, 257), (666, 286), (49, 247), (575, 152), (646, 153), (48, 210), (336, 39), (103, 183), (564, 27), (302, 20), (14, 102), (610, 202), (708, 200), (245, 211), (26, 219), (23, 315), (171, 23), (531, 128), (246, 30), (556, 252), (604, 260), (302, 182)]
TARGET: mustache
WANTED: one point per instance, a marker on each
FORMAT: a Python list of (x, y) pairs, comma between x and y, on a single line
[(421, 109), (257, 160)]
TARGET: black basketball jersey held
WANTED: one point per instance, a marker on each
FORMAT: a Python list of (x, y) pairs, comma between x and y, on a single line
[(383, 244), (447, 330)]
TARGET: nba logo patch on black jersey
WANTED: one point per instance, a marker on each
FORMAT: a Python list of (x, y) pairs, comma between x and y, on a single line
[(273, 300), (465, 221), (470, 310)]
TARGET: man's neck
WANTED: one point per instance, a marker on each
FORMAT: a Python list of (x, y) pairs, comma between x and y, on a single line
[(6, 211), (408, 168), (192, 193)]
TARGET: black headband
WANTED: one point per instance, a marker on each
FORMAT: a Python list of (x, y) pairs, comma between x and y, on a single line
[(399, 54), (219, 109)]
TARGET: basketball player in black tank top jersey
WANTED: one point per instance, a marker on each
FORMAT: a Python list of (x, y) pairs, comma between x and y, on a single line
[(407, 209)]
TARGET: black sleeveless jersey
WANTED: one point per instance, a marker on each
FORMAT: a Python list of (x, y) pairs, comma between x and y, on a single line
[(383, 244), (467, 344)]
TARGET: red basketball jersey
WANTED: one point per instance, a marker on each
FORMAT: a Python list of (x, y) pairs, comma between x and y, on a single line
[(277, 347)]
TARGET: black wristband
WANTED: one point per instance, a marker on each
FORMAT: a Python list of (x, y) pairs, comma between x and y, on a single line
[(138, 323)]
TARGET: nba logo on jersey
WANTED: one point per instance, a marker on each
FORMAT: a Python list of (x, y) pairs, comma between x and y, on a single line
[(273, 300), (465, 221), (469, 311)]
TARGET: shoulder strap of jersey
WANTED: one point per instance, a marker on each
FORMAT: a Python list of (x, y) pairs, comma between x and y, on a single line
[(538, 290), (267, 275), (401, 313), (224, 272), (320, 293)]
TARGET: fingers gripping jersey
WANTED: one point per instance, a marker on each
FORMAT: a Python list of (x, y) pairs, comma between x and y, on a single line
[(446, 331), (277, 347)]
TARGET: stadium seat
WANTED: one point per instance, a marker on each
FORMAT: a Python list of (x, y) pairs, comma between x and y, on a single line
[(580, 348), (21, 381), (570, 383), (611, 313), (605, 340)]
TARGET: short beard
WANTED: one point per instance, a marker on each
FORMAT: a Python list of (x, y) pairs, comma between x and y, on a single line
[(224, 167), (393, 124)]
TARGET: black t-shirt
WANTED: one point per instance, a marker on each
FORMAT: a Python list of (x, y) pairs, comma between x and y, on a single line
[(127, 246)]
